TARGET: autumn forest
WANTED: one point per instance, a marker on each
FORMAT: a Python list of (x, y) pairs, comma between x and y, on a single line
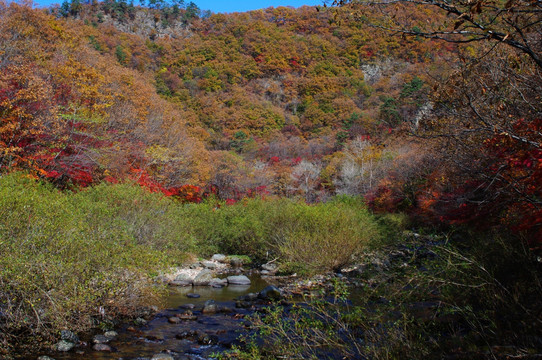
[(154, 133)]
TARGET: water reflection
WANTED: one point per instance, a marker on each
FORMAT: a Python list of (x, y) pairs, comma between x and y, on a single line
[(177, 295)]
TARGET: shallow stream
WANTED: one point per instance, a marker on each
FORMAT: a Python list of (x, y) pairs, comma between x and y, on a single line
[(188, 339)]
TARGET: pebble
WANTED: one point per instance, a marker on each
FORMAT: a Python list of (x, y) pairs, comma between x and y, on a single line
[(111, 334), (216, 282), (162, 357), (64, 346), (101, 339), (238, 280), (102, 347), (251, 297), (203, 278), (209, 265), (219, 257), (210, 307), (174, 320)]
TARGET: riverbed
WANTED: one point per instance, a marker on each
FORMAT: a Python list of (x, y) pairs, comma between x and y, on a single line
[(206, 334)]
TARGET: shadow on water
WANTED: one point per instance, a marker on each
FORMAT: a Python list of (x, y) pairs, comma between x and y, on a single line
[(188, 339)]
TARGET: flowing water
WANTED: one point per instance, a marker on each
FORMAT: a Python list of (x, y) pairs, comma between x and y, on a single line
[(187, 339)]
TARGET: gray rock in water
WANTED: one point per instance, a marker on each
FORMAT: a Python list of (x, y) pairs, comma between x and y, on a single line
[(111, 334), (218, 282), (209, 265), (102, 347), (174, 320), (203, 278), (69, 336), (271, 292), (45, 357), (238, 280), (182, 280), (101, 339), (210, 307), (64, 345), (251, 297), (219, 257), (162, 357), (192, 295)]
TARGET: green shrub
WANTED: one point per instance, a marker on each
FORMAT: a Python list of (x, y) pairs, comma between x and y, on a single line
[(65, 255), (68, 255), (327, 236), (310, 238)]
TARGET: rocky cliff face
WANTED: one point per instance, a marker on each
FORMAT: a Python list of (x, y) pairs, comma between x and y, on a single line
[(148, 24)]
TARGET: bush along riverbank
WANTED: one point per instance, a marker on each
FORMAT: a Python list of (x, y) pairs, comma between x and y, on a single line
[(425, 297), (73, 261)]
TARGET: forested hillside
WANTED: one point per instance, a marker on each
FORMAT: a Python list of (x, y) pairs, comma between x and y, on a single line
[(280, 101), (303, 102)]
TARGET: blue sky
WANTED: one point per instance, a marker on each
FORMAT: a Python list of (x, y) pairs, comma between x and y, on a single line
[(233, 6), (226, 6)]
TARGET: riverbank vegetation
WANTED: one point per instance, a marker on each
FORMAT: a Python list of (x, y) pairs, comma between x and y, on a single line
[(423, 297), (73, 259), (79, 260)]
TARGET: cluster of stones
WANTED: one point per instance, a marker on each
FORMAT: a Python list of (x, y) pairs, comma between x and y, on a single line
[(210, 307), (101, 341), (69, 340), (205, 273), (269, 269)]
